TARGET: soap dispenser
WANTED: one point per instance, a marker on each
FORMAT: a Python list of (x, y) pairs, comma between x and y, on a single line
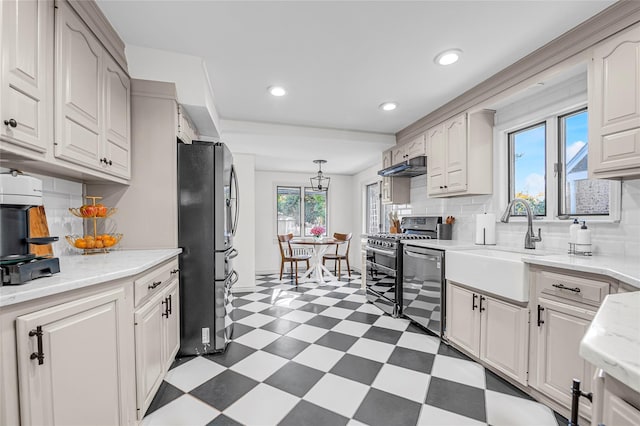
[(573, 231), (584, 235)]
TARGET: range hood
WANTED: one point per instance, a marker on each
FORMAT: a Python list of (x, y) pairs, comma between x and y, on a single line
[(414, 167)]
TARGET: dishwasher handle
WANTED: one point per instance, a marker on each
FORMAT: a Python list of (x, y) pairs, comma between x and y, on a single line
[(422, 256)]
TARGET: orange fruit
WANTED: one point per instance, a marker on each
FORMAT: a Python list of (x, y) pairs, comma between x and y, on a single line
[(99, 244), (80, 243)]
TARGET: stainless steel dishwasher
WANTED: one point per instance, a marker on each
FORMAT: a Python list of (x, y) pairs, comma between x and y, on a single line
[(423, 288)]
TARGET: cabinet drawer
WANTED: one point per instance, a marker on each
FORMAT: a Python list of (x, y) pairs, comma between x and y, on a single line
[(580, 289), (151, 282)]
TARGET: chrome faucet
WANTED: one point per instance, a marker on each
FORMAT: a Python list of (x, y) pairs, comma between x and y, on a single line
[(530, 239)]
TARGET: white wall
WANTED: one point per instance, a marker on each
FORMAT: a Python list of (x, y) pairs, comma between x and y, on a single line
[(340, 217), (245, 239)]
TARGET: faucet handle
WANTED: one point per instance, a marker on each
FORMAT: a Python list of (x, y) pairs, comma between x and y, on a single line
[(537, 238)]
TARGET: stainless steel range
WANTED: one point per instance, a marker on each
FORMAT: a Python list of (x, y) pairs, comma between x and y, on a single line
[(385, 259)]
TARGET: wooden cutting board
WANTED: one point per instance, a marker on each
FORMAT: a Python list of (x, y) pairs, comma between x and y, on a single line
[(38, 227)]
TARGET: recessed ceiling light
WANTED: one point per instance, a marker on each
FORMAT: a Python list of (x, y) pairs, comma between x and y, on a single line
[(388, 106), (448, 57), (277, 91)]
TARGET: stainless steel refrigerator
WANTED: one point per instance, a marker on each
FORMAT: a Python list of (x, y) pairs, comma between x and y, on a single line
[(207, 221)]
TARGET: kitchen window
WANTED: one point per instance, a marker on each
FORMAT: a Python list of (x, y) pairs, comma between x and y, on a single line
[(373, 205), (547, 166), (527, 168), (299, 209)]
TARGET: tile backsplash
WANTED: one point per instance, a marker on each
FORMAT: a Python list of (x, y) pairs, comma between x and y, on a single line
[(59, 196), (621, 238)]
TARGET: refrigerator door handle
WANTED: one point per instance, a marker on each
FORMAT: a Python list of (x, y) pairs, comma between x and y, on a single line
[(234, 175), (233, 279), (233, 253)]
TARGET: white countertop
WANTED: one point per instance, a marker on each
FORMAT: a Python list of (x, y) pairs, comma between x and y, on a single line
[(612, 341), (82, 271)]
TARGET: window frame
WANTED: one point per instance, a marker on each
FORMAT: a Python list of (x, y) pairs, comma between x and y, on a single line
[(302, 188), (502, 178), (378, 202)]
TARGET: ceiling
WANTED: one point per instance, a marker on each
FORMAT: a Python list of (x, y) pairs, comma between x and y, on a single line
[(339, 60)]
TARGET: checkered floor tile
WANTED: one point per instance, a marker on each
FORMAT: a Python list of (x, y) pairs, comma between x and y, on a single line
[(321, 355)]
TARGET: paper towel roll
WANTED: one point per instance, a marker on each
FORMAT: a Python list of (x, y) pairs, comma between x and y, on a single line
[(486, 228)]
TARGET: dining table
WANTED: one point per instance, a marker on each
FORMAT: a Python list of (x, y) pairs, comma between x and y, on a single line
[(317, 271)]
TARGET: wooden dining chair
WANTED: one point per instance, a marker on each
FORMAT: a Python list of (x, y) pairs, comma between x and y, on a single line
[(338, 257), (286, 255)]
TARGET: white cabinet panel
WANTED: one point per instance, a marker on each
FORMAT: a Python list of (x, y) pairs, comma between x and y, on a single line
[(79, 88), (463, 324), (25, 78), (117, 132), (172, 343), (80, 379)]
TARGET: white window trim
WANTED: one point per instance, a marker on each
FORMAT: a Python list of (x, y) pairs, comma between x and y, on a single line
[(274, 206), (549, 115), (363, 210)]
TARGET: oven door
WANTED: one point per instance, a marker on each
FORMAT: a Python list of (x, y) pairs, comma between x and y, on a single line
[(423, 287), (382, 280)]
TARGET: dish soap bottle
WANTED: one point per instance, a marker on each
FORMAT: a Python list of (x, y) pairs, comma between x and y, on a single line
[(584, 235), (573, 231)]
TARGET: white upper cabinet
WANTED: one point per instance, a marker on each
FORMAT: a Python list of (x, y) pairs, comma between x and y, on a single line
[(25, 76), (93, 98), (416, 147), (460, 155), (116, 157), (398, 154), (386, 159), (614, 107), (79, 89)]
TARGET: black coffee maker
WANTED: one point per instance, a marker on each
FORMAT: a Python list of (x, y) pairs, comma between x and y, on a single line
[(18, 193)]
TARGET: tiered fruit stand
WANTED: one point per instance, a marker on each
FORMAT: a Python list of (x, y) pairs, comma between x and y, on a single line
[(94, 243)]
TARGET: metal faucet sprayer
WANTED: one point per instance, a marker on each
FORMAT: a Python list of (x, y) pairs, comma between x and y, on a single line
[(530, 239)]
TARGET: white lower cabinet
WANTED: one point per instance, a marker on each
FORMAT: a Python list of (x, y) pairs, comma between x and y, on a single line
[(70, 362), (492, 330), (617, 412), (157, 337)]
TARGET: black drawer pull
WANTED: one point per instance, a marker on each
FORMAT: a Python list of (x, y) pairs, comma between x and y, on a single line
[(481, 299), (473, 302), (11, 123), (563, 287), (175, 271), (154, 285), (37, 355), (540, 321), (165, 302), (169, 306)]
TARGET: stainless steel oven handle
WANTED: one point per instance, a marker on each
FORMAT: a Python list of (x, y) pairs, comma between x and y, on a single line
[(381, 268), (421, 256), (383, 252)]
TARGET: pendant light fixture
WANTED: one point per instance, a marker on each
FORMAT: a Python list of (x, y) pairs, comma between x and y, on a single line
[(320, 181)]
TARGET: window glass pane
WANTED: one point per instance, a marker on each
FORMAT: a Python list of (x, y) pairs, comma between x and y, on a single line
[(528, 171), (315, 209), (373, 208), (578, 194), (288, 202)]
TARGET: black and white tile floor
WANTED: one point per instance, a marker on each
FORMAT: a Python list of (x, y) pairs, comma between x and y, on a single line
[(321, 355)]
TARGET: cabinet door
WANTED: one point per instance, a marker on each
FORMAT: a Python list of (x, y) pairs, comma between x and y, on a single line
[(150, 349), (614, 104), (385, 190), (505, 337), (463, 322), (456, 154), (117, 120), (558, 361), (398, 155), (25, 76), (417, 147), (617, 412), (386, 159), (79, 88), (172, 323), (436, 160), (80, 381)]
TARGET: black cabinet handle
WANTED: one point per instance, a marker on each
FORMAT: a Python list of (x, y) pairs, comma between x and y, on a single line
[(473, 302), (540, 321), (103, 160), (165, 302), (446, 186), (37, 355), (175, 271), (110, 163), (441, 187), (11, 123), (481, 299), (563, 287), (169, 306), (154, 285)]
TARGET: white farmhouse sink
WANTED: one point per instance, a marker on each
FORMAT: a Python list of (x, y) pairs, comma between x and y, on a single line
[(500, 272)]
